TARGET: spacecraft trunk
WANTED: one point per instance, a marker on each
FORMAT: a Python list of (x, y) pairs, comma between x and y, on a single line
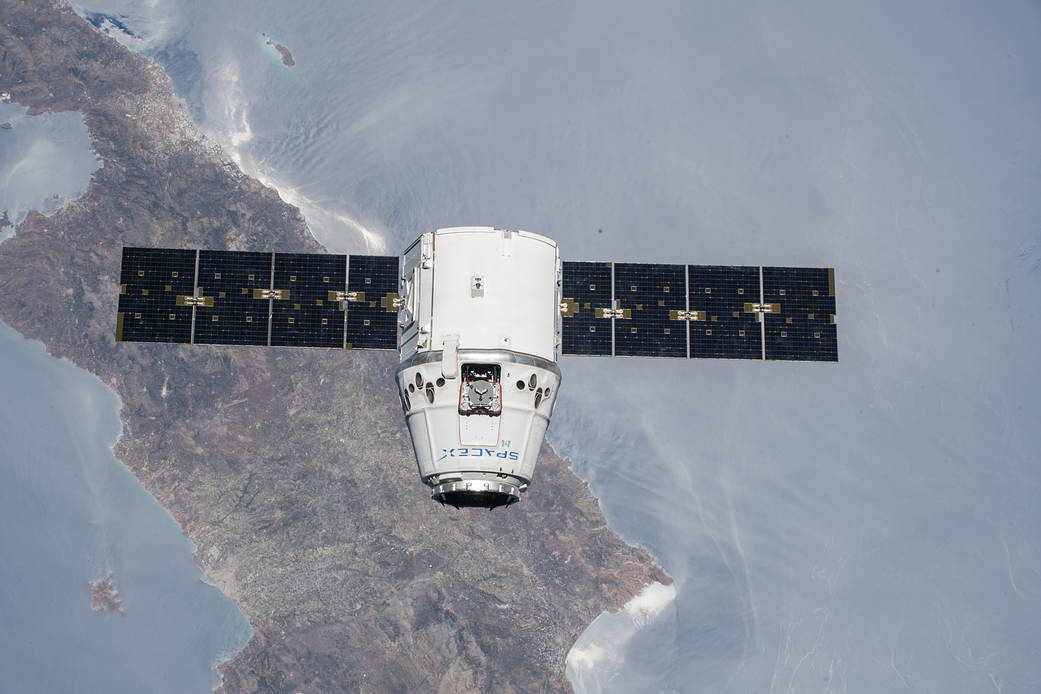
[(478, 377)]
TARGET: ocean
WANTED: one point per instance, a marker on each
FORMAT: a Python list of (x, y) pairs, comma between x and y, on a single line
[(71, 513), (869, 525)]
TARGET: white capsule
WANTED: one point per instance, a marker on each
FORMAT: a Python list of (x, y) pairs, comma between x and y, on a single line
[(479, 333)]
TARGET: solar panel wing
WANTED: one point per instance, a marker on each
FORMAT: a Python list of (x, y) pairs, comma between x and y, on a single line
[(800, 317), (724, 324), (151, 280), (235, 288), (649, 301), (586, 309), (372, 302), (310, 293)]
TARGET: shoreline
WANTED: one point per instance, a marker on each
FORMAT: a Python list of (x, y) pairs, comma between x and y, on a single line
[(298, 559)]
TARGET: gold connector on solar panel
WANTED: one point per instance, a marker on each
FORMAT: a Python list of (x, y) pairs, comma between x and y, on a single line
[(194, 300), (270, 293), (686, 315), (568, 308)]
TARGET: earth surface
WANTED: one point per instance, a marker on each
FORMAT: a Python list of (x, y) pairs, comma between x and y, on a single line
[(869, 525)]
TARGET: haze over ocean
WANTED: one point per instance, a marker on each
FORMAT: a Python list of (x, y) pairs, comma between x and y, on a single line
[(44, 160), (71, 512), (864, 526)]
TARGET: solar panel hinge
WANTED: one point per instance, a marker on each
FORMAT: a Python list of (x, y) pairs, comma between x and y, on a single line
[(194, 301), (762, 308), (270, 293), (391, 302), (613, 313), (686, 315)]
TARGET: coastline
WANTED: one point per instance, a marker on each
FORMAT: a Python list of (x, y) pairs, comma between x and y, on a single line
[(107, 560), (299, 562)]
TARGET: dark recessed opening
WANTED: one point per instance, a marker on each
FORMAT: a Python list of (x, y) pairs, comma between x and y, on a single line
[(488, 500)]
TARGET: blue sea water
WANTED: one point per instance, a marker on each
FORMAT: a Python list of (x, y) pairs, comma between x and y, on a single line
[(865, 526), (70, 513), (44, 160)]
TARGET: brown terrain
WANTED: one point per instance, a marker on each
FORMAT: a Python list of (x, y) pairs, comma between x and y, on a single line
[(104, 596), (290, 469), (287, 57)]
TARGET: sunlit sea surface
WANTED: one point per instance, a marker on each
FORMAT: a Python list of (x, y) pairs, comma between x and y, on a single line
[(70, 513), (867, 526)]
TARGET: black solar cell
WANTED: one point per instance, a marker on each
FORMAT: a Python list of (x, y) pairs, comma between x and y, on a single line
[(725, 325), (586, 294), (151, 279), (372, 302), (312, 314), (649, 298), (803, 326), (238, 284)]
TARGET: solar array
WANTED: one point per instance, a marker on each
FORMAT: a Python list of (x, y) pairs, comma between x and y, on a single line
[(249, 298), (698, 311), (608, 309)]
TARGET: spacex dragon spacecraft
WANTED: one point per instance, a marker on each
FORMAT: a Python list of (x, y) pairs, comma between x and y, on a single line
[(479, 316), (478, 375)]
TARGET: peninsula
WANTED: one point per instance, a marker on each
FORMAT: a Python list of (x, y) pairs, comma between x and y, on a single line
[(289, 469)]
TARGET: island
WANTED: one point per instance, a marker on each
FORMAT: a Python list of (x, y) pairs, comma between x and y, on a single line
[(287, 57), (290, 469), (104, 596)]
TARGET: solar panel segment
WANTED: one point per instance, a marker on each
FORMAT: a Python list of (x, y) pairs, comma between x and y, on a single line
[(724, 325), (238, 283), (801, 327), (372, 302), (254, 298), (150, 281), (649, 297), (587, 306), (726, 309), (311, 290)]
